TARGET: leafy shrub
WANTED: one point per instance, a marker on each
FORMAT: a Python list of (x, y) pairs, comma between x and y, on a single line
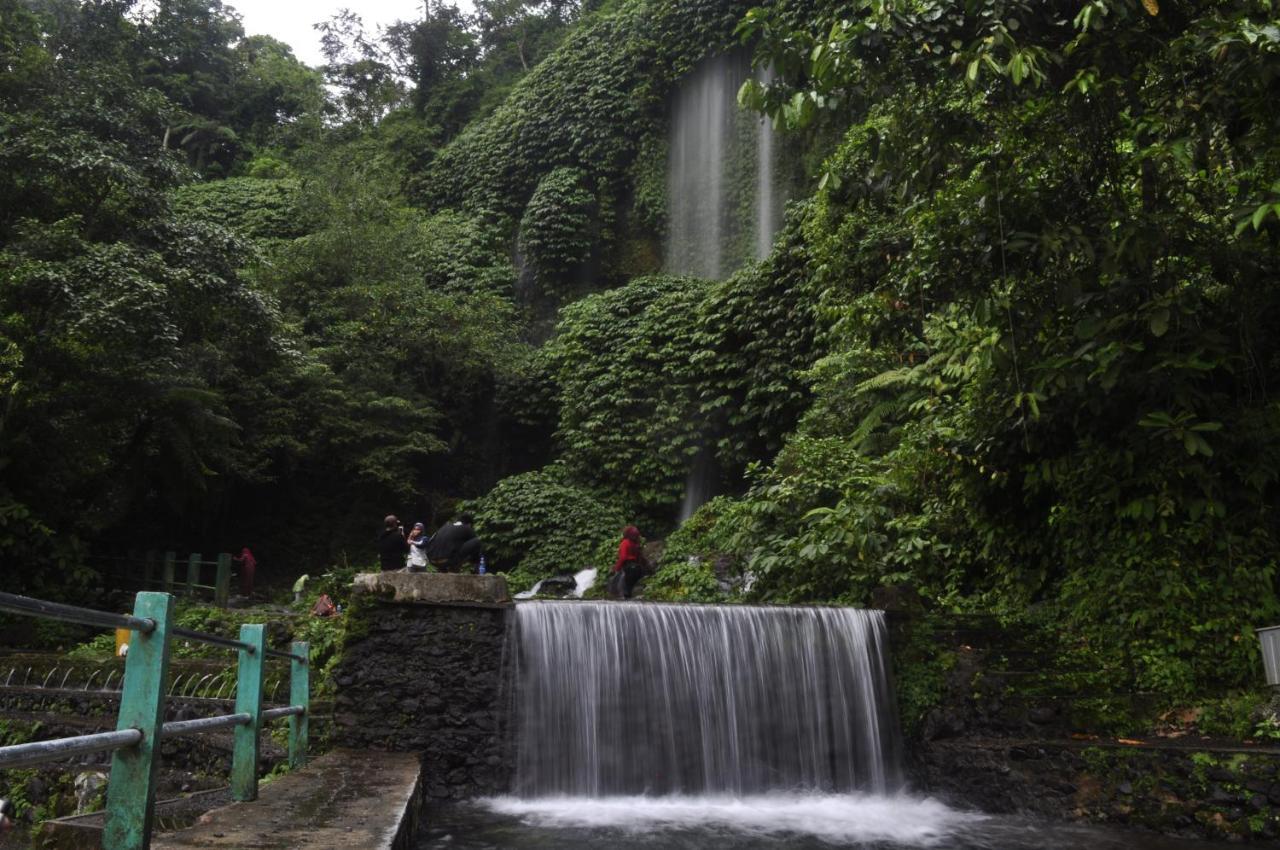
[(687, 571), (556, 229), (622, 360), (254, 207), (1036, 389), (538, 524)]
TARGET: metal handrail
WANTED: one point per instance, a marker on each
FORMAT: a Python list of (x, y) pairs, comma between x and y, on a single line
[(201, 724), (284, 711), (216, 640), (131, 791), (39, 752), (73, 614), (279, 653)]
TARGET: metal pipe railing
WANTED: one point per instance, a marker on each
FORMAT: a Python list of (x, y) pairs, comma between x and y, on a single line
[(203, 724), (215, 640), (286, 711), (276, 653), (131, 790), (72, 614), (39, 752)]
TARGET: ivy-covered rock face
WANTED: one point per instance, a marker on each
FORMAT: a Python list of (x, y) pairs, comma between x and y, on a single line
[(556, 233), (624, 359)]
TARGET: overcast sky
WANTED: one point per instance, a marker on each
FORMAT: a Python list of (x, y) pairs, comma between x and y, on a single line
[(291, 20)]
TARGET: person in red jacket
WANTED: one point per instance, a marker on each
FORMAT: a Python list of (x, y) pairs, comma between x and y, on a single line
[(631, 560), (248, 566)]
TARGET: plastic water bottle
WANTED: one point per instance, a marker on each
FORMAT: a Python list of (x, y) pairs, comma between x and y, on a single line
[(480, 569)]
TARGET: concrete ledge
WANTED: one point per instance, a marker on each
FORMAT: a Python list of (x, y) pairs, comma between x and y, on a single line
[(436, 588), (344, 799)]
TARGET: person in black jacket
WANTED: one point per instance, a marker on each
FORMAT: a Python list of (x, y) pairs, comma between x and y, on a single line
[(392, 547), (455, 544)]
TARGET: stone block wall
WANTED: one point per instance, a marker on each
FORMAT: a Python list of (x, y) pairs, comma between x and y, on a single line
[(1012, 734), (431, 677)]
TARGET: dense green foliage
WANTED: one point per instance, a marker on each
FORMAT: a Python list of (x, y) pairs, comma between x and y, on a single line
[(545, 524), (628, 419), (1043, 270), (277, 358), (556, 232), (1013, 346)]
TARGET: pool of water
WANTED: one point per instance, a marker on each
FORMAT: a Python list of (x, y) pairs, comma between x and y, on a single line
[(800, 822)]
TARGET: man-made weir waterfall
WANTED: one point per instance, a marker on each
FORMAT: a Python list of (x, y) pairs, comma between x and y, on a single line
[(693, 699)]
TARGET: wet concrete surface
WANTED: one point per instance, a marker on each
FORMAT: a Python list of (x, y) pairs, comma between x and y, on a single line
[(345, 799)]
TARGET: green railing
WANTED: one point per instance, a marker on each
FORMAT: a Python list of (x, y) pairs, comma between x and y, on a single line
[(140, 726), (171, 573)]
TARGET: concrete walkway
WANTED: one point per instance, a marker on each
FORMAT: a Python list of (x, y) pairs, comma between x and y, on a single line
[(345, 799)]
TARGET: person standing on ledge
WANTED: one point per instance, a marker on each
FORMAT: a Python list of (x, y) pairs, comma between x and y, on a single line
[(455, 544), (418, 541), (392, 547), (248, 566), (631, 560)]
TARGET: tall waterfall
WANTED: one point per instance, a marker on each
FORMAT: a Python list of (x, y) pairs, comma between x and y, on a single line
[(724, 200), (698, 699), (768, 208)]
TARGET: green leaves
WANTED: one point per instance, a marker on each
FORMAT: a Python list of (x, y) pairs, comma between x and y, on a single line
[(624, 361), (542, 524), (556, 232), (1045, 361), (1182, 427)]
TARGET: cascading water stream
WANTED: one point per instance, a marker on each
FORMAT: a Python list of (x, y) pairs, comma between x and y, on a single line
[(723, 190), (696, 700), (725, 196), (768, 208)]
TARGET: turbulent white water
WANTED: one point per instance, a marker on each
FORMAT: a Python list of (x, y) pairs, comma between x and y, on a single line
[(583, 580), (530, 593), (621, 699), (837, 818)]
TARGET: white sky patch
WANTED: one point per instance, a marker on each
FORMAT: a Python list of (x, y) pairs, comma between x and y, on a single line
[(292, 21)]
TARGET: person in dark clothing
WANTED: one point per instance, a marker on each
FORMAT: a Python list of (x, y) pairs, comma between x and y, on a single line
[(392, 547), (455, 544), (631, 560)]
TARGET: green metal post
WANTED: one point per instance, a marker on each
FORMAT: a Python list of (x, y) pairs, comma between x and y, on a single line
[(131, 793), (299, 694), (170, 569), (244, 760), (193, 573), (222, 585)]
